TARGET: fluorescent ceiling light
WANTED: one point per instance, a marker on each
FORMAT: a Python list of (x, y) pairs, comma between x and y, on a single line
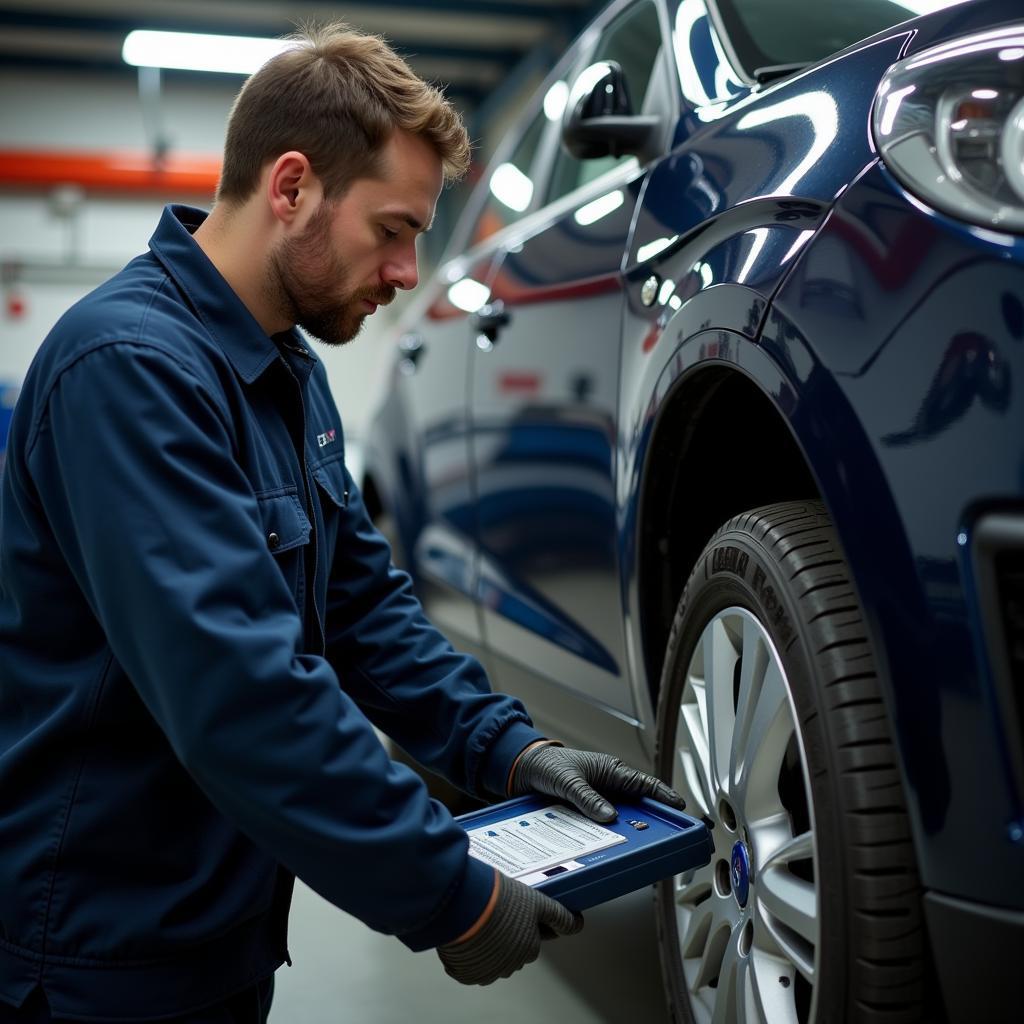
[(190, 51)]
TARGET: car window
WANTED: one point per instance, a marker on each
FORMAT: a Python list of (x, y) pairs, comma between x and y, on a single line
[(510, 187), (633, 40), (796, 32)]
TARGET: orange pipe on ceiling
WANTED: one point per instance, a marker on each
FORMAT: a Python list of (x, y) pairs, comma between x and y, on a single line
[(109, 172)]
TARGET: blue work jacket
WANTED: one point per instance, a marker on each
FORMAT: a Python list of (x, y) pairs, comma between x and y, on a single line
[(198, 625)]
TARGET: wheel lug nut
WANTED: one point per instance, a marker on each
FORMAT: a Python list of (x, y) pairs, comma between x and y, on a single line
[(726, 815), (723, 877)]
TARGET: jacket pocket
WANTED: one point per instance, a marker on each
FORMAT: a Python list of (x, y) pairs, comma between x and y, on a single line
[(332, 478), (286, 531)]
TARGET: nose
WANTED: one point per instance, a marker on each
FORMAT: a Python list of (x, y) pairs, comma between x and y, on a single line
[(400, 271)]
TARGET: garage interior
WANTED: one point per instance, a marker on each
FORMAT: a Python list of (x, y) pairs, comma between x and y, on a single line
[(699, 430)]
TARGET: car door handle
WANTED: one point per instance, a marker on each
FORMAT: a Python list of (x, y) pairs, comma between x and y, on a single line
[(490, 319)]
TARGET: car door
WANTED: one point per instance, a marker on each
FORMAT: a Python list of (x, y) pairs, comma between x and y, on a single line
[(544, 381), (437, 531)]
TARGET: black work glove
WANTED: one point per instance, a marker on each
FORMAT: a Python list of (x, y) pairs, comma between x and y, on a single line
[(582, 776), (510, 938)]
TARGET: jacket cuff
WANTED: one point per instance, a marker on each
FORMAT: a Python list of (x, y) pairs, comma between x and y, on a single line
[(461, 910), (500, 758)]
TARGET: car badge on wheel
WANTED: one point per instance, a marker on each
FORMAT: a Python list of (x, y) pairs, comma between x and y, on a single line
[(740, 873)]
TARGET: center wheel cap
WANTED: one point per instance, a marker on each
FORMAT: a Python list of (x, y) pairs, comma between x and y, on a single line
[(740, 873)]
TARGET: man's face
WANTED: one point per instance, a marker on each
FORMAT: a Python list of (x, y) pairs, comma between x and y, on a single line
[(354, 252)]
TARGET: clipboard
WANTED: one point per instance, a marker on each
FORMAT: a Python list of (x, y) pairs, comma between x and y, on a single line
[(582, 863)]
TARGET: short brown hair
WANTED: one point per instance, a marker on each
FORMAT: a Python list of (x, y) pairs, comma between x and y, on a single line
[(336, 96)]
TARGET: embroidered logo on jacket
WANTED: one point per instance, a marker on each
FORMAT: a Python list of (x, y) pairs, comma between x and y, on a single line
[(323, 440)]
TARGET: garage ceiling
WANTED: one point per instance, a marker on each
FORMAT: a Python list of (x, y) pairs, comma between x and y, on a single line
[(470, 46)]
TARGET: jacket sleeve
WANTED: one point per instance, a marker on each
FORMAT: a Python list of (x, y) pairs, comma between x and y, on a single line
[(132, 462), (436, 703)]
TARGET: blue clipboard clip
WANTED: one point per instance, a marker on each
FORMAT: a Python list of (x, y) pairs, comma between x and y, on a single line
[(582, 863)]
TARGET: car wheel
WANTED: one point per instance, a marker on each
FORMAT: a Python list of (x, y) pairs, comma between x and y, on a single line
[(772, 725)]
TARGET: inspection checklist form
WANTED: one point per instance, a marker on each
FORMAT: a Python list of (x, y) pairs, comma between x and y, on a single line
[(537, 844)]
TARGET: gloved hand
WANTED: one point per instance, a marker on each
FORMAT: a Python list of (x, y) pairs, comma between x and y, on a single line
[(582, 776), (511, 935)]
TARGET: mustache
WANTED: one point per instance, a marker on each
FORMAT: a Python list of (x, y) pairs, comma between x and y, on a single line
[(378, 296)]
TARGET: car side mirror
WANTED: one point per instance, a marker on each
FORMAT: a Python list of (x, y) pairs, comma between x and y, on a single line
[(599, 118)]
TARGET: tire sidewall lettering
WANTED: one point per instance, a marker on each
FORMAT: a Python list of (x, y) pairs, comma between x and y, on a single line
[(733, 560)]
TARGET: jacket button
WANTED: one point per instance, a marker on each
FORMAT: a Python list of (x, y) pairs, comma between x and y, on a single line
[(274, 540)]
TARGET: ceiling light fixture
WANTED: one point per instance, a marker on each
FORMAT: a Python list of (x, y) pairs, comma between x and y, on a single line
[(190, 51)]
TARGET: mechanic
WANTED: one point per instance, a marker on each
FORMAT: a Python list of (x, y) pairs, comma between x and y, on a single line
[(199, 625)]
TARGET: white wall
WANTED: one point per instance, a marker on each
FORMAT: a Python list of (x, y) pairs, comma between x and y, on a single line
[(54, 259)]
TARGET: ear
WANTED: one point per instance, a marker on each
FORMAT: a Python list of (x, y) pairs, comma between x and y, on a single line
[(292, 187)]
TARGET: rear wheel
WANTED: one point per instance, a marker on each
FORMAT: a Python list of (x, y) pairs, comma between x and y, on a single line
[(772, 726)]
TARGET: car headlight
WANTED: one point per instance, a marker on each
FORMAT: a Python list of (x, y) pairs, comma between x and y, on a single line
[(949, 124)]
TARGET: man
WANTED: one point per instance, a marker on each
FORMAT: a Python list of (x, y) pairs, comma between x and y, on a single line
[(198, 623)]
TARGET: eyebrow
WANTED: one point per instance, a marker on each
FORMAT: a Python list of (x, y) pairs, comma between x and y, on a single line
[(415, 224)]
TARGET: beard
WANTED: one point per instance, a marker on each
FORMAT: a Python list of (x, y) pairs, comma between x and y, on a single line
[(308, 284)]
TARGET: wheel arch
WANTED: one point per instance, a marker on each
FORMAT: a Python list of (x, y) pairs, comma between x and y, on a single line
[(695, 438)]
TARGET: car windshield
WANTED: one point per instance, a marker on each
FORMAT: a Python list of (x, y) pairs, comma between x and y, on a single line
[(769, 33)]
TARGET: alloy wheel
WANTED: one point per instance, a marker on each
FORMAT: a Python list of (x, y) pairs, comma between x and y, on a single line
[(747, 922)]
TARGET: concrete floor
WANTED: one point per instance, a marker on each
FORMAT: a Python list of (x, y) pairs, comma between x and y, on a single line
[(344, 973)]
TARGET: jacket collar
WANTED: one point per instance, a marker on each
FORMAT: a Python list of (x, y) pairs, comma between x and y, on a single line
[(250, 349)]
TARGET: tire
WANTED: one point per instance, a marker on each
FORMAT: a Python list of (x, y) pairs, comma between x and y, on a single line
[(772, 725)]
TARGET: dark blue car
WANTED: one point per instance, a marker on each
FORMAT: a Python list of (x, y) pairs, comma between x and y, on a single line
[(706, 438)]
